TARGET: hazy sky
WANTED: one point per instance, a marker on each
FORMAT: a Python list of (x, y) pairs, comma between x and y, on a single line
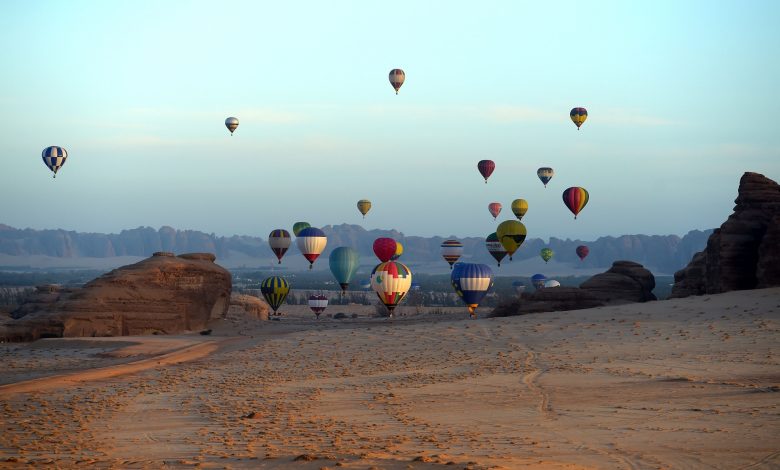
[(682, 99)]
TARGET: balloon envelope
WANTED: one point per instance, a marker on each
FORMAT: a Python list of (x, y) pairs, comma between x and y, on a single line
[(486, 168), (451, 251), (545, 174), (231, 123), (318, 303), (54, 157), (538, 280), (397, 78), (575, 199), (495, 247), (279, 240), (518, 286), (519, 208), (391, 281), (511, 234), (311, 241), (578, 116), (364, 205), (551, 283), (582, 251), (298, 226), (494, 208), (471, 282), (384, 248), (344, 262), (399, 250), (275, 290), (546, 254)]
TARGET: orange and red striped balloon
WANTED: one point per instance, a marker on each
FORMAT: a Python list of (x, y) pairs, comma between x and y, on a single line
[(575, 199)]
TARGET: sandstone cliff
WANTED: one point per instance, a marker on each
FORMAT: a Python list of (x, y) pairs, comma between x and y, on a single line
[(162, 294), (744, 253)]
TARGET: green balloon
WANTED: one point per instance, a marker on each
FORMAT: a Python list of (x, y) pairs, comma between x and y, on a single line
[(298, 226), (344, 262), (546, 254)]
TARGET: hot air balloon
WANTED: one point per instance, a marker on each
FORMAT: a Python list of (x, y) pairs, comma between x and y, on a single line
[(364, 205), (298, 226), (511, 234), (519, 208), (391, 281), (451, 250), (311, 241), (545, 174), (546, 254), (519, 287), (538, 280), (551, 283), (318, 303), (578, 116), (575, 199), (415, 286), (397, 77), (365, 284), (384, 248), (495, 247), (399, 250), (344, 262), (231, 123), (471, 282), (486, 168), (494, 208), (582, 252), (279, 240), (275, 290), (54, 157)]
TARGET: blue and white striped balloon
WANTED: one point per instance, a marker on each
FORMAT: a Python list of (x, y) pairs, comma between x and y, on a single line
[(54, 157), (471, 282)]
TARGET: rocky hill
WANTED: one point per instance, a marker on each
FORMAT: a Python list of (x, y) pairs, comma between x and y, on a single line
[(661, 254)]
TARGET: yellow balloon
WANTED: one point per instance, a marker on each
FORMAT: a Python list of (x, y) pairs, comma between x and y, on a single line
[(519, 208), (511, 234), (364, 205)]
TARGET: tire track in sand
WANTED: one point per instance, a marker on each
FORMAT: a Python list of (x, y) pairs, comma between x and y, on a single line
[(547, 413), (188, 353), (529, 379)]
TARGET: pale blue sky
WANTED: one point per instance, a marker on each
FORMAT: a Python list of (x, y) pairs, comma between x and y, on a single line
[(682, 99)]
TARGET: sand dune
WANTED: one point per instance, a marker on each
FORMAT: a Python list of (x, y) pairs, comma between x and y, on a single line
[(687, 383)]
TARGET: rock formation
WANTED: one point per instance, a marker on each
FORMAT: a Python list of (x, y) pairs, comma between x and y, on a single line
[(161, 295), (248, 305), (744, 253), (624, 282)]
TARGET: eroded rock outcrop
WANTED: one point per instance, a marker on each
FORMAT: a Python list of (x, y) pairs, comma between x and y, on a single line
[(248, 305), (161, 295), (625, 281), (744, 253)]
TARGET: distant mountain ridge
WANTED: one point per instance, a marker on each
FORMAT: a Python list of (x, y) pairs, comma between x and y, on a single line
[(660, 253)]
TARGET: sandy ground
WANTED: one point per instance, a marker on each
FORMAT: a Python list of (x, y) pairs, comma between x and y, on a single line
[(688, 383)]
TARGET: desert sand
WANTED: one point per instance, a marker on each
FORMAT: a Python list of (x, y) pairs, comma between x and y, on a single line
[(685, 383)]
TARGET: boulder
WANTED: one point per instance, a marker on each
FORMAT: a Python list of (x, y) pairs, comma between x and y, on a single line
[(550, 299), (160, 295), (744, 253), (248, 305), (624, 282)]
